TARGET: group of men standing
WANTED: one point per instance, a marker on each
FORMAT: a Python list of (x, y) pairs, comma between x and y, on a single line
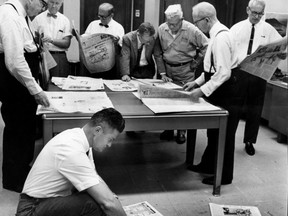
[(175, 52)]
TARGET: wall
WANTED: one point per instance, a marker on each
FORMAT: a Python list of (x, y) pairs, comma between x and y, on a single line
[(152, 12)]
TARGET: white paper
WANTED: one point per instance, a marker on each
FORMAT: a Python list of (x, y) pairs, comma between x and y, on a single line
[(58, 81), (141, 209), (72, 102), (80, 83), (167, 105), (225, 210), (119, 85), (159, 83)]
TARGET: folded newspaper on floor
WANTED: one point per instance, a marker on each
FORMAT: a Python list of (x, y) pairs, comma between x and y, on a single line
[(225, 210), (73, 102), (161, 100), (141, 209)]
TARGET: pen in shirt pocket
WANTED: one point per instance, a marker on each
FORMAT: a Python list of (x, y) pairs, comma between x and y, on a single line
[(61, 31)]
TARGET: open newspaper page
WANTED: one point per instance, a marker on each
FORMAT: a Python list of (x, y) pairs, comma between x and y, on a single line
[(80, 83), (141, 209), (97, 51), (161, 100), (264, 61), (225, 210), (73, 102)]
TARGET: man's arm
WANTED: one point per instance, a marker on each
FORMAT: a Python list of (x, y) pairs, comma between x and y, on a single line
[(61, 43), (125, 57), (107, 200)]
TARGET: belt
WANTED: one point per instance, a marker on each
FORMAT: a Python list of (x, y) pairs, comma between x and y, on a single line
[(57, 52), (177, 65)]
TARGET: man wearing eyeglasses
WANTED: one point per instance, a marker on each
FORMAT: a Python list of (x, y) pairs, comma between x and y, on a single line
[(55, 31), (107, 25), (19, 89), (249, 34), (176, 53)]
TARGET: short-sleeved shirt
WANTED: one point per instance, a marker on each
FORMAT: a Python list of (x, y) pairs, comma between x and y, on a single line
[(114, 28), (56, 28), (62, 165)]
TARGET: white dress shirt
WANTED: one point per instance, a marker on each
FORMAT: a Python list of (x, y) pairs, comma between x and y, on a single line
[(62, 164), (55, 28), (241, 31), (115, 29), (14, 37), (224, 58)]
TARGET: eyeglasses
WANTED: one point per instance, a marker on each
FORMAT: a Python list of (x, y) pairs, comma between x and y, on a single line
[(103, 17), (174, 24), (255, 13), (197, 21)]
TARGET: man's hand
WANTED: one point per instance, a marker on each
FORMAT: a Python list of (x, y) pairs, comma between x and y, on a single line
[(165, 78), (126, 78), (196, 94), (42, 99), (47, 39), (190, 86)]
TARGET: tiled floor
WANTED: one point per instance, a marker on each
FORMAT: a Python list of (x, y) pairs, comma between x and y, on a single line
[(143, 168)]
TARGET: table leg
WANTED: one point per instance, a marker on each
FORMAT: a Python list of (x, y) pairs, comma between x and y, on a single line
[(47, 131), (191, 141), (220, 156)]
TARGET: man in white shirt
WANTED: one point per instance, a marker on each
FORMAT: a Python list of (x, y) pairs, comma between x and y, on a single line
[(220, 84), (19, 89), (63, 180), (249, 34), (55, 30), (106, 24)]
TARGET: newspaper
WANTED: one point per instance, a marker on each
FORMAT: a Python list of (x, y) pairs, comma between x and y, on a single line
[(119, 85), (141, 209), (225, 210), (72, 102), (80, 83), (264, 61), (159, 83), (97, 51), (161, 100)]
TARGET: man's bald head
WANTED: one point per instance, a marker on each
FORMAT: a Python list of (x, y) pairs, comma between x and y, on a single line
[(204, 9)]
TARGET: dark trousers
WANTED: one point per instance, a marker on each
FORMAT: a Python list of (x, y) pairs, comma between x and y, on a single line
[(74, 205), (230, 97), (254, 100), (143, 72), (18, 112), (62, 68)]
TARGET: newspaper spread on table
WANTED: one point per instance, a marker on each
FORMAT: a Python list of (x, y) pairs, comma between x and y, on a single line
[(141, 209), (223, 210), (73, 102), (80, 83), (264, 61), (161, 100), (97, 51)]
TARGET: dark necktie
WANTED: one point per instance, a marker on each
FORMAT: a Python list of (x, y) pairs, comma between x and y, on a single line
[(106, 26), (251, 40), (52, 15), (139, 54)]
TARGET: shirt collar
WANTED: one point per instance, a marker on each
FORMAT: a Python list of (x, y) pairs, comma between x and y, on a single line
[(86, 145), (216, 28)]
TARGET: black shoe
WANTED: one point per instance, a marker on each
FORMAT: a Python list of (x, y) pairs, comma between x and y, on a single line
[(180, 138), (15, 188), (210, 181), (249, 148), (199, 169), (167, 135)]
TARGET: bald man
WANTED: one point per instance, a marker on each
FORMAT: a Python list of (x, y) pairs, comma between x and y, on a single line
[(107, 25), (219, 83)]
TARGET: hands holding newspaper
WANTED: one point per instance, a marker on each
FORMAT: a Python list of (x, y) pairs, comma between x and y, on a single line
[(195, 91)]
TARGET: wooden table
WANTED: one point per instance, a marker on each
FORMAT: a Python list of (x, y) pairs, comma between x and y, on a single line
[(140, 118)]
